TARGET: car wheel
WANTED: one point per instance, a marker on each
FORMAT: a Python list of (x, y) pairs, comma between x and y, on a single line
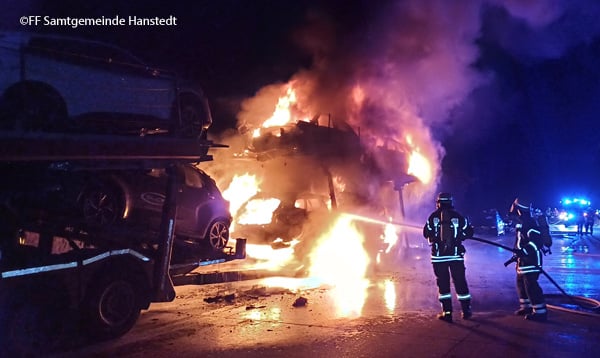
[(102, 205), (111, 307), (32, 105), (218, 234)]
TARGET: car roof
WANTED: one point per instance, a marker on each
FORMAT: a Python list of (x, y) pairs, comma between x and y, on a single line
[(17, 39)]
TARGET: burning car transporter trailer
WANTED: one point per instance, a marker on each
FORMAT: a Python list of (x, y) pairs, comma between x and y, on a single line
[(104, 279)]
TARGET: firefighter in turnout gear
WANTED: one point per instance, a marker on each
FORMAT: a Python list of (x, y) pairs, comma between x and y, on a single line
[(445, 230), (528, 246)]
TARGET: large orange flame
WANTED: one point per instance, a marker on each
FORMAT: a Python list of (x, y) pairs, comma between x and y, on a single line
[(340, 260), (241, 188), (419, 166), (282, 115), (258, 211)]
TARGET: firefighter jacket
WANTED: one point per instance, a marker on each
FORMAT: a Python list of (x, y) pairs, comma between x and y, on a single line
[(445, 230), (528, 245)]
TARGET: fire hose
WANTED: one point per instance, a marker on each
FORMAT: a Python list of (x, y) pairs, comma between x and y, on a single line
[(575, 299)]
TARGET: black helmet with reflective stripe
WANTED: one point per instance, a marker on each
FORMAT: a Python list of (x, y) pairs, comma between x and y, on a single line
[(444, 200), (521, 206)]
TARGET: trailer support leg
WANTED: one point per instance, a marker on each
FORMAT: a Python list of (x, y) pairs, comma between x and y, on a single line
[(164, 290)]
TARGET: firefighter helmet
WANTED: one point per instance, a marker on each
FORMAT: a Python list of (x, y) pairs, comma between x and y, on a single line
[(521, 206), (444, 200)]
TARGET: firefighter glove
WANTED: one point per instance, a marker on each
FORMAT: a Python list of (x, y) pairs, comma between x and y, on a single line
[(521, 253)]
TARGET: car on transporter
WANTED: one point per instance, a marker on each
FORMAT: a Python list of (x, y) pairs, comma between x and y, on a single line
[(59, 83), (279, 218), (117, 201)]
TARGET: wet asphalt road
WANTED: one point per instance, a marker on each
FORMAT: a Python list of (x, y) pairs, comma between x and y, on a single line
[(392, 315)]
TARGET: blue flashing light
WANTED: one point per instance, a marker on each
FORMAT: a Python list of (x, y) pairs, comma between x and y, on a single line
[(578, 201)]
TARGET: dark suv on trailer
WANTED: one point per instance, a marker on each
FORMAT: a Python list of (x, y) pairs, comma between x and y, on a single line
[(116, 201)]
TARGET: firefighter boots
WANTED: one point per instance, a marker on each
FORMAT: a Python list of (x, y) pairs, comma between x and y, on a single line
[(466, 309), (536, 317), (523, 311), (445, 316)]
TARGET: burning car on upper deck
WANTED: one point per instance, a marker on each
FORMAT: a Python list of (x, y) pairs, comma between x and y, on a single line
[(305, 138)]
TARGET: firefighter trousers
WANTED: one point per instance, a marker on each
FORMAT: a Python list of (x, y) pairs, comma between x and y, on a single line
[(455, 269), (530, 293)]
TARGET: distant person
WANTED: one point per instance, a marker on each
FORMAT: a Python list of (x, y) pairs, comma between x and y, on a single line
[(590, 217), (445, 230), (580, 221), (528, 246)]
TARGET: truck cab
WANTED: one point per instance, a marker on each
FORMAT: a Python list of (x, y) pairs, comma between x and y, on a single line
[(61, 278)]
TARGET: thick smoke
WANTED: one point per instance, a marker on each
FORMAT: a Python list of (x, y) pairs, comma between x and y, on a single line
[(391, 80), (539, 61), (404, 73), (546, 29)]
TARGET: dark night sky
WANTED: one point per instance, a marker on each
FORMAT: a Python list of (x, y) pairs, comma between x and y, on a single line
[(528, 127)]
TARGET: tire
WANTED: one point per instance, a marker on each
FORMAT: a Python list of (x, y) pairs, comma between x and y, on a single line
[(102, 205), (33, 106), (217, 234), (112, 305)]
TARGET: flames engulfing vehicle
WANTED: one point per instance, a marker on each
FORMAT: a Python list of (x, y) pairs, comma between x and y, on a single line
[(274, 219), (309, 170), (331, 146)]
